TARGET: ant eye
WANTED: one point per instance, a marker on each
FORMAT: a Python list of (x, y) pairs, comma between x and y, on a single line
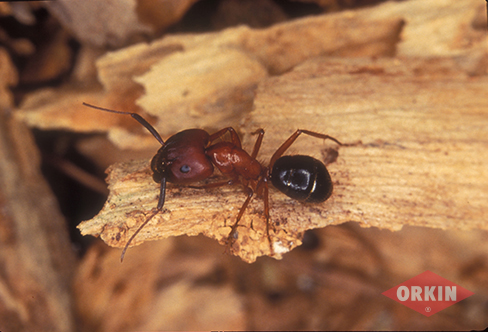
[(185, 169)]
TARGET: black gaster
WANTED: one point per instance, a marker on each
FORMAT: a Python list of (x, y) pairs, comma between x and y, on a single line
[(302, 178)]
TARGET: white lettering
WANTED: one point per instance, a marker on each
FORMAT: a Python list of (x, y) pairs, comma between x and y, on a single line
[(405, 295), (416, 291), (429, 293), (450, 293)]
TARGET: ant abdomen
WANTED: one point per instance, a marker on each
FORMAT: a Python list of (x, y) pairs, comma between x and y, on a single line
[(302, 178)]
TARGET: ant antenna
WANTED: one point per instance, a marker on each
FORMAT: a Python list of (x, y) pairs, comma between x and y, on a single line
[(134, 235), (159, 208), (136, 116), (162, 194)]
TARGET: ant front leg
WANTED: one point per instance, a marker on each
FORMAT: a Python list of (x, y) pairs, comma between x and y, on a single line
[(292, 139)]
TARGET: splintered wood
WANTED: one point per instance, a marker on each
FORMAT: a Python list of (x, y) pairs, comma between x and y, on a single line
[(196, 211), (420, 122), (421, 161), (423, 128), (203, 80)]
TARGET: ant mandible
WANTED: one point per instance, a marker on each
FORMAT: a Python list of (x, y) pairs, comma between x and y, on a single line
[(189, 156)]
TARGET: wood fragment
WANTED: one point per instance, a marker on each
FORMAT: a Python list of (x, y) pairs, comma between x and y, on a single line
[(422, 124), (443, 28), (420, 162), (191, 212), (203, 80)]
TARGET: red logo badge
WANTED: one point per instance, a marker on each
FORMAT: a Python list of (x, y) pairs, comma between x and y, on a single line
[(428, 293)]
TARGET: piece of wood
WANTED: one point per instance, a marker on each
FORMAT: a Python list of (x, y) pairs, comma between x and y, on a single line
[(440, 28), (133, 195), (155, 78), (423, 128), (421, 161), (202, 80), (208, 81)]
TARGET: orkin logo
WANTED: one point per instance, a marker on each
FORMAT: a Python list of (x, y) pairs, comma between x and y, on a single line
[(428, 293)]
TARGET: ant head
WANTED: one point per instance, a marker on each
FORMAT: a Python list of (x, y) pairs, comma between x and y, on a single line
[(182, 158)]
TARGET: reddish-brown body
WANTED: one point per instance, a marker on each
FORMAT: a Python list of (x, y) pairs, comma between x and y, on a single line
[(189, 156), (234, 162)]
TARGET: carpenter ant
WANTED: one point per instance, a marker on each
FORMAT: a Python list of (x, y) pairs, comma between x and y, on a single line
[(189, 156)]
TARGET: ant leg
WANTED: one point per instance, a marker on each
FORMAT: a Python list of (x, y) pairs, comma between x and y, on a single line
[(257, 145), (232, 235), (292, 139), (266, 213), (214, 185), (233, 136), (136, 116)]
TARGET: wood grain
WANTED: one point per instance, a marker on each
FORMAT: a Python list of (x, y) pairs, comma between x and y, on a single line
[(420, 161), (423, 128), (201, 80)]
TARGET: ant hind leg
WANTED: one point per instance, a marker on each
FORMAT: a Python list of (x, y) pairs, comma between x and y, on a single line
[(266, 216), (233, 233)]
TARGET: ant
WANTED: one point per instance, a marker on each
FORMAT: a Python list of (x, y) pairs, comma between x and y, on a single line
[(189, 156)]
